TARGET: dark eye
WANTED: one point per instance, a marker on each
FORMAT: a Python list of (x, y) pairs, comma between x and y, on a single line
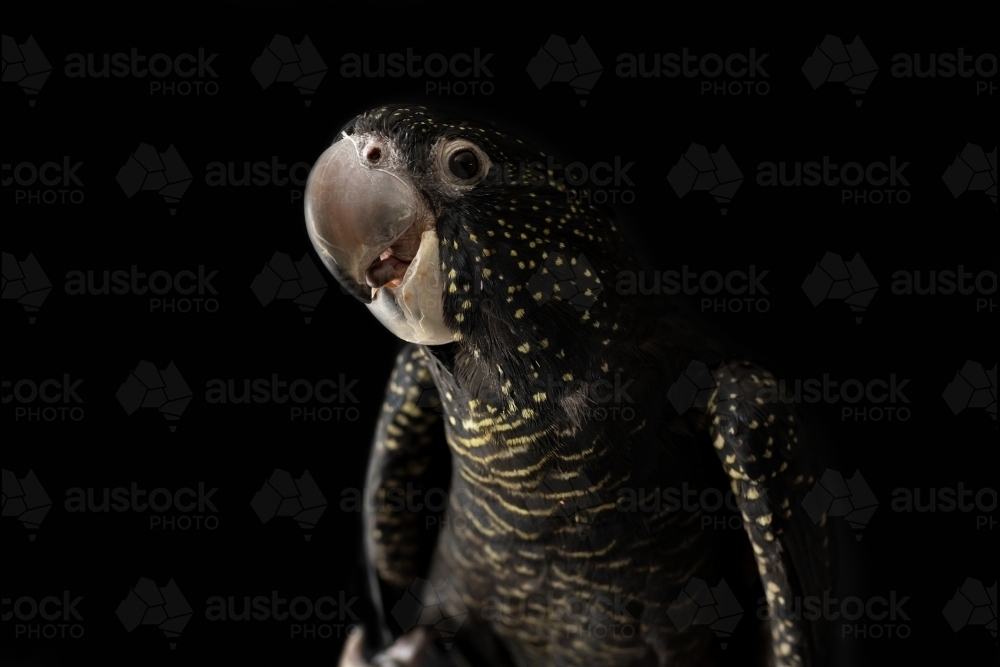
[(464, 164), (461, 164)]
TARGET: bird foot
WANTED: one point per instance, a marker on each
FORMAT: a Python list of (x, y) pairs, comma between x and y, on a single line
[(407, 651)]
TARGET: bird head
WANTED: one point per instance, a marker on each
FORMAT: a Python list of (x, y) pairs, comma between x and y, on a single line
[(455, 232)]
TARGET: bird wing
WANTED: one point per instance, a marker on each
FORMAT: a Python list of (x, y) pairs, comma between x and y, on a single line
[(765, 453), (409, 459)]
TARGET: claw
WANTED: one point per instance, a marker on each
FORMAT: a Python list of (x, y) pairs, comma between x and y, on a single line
[(407, 651), (352, 655)]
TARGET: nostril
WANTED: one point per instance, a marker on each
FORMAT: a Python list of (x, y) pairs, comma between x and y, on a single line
[(374, 154)]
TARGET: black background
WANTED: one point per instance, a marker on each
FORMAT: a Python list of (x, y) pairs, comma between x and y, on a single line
[(236, 230)]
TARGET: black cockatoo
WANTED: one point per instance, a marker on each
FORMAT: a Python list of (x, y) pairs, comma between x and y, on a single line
[(560, 397)]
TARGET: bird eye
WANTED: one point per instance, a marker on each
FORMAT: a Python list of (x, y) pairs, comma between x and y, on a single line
[(464, 164), (461, 162)]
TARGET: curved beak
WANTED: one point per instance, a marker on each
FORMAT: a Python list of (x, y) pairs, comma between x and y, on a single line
[(354, 212)]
